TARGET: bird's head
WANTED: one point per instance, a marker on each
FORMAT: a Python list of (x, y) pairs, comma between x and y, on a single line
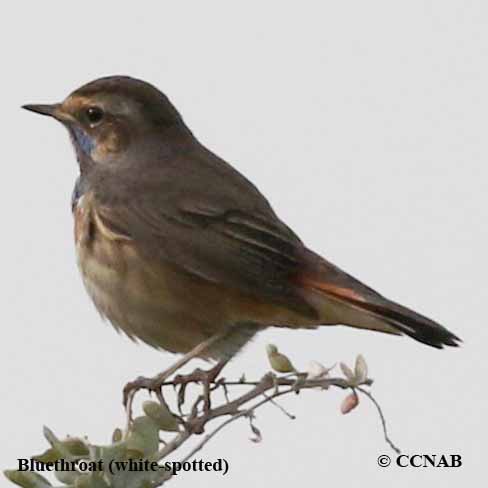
[(106, 116)]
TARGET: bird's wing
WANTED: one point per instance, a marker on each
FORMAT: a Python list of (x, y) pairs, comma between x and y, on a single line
[(234, 241)]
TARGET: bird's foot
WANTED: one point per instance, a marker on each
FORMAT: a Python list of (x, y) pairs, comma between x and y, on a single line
[(141, 383), (155, 384), (206, 377)]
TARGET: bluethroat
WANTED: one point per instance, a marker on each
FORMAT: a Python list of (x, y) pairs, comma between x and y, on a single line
[(176, 247)]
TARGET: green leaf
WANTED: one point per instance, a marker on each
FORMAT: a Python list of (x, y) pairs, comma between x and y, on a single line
[(134, 454), (143, 436), (67, 477), (72, 446), (278, 361), (163, 417), (92, 480), (76, 446), (117, 452), (56, 443), (27, 479), (117, 435), (49, 456), (133, 479)]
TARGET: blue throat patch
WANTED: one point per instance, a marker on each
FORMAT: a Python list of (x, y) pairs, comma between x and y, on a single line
[(83, 140)]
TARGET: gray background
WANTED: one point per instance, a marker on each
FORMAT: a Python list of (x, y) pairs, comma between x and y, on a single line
[(364, 123)]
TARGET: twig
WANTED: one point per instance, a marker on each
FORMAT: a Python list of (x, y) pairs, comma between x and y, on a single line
[(382, 417), (279, 407), (208, 437)]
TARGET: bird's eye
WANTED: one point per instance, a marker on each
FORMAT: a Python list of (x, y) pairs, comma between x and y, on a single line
[(94, 115)]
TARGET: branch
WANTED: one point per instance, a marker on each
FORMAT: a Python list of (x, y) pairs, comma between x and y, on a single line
[(141, 440)]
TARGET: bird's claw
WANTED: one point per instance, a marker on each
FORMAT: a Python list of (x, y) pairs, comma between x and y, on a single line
[(140, 383)]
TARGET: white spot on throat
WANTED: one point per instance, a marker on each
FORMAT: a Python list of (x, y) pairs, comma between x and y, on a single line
[(79, 203)]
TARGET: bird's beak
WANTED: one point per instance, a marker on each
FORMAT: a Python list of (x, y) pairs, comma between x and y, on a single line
[(43, 109), (54, 110)]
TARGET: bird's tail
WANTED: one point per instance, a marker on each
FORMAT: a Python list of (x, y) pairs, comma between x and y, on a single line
[(378, 313), (341, 299), (411, 323)]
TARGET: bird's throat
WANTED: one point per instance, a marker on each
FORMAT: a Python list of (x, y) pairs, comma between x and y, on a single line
[(82, 141)]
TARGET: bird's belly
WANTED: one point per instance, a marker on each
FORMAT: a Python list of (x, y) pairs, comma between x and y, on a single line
[(150, 303), (168, 308)]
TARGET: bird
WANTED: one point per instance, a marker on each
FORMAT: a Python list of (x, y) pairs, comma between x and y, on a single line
[(179, 250)]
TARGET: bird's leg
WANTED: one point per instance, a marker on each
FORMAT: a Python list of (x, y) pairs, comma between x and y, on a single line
[(212, 375), (199, 375), (155, 384)]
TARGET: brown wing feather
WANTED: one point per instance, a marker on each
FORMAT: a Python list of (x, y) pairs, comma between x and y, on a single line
[(248, 253)]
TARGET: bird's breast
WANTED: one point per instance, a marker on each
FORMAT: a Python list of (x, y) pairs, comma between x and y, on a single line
[(146, 300)]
